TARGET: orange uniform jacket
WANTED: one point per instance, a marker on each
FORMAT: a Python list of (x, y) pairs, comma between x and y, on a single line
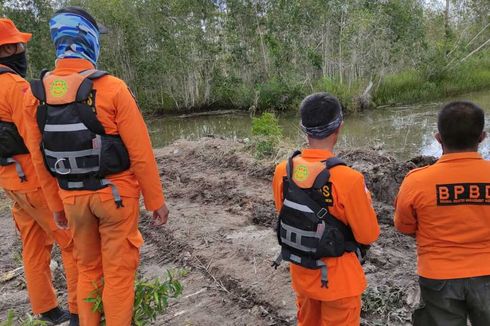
[(119, 114), (447, 207), (12, 91), (351, 205)]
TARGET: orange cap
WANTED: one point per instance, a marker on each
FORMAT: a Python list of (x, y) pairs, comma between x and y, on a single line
[(9, 34)]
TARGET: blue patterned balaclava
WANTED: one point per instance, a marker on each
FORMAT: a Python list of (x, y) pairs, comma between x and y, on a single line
[(75, 36)]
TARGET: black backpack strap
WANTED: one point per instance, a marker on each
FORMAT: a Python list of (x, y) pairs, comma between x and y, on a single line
[(43, 73), (98, 74), (94, 74), (324, 176), (333, 162), (289, 166), (84, 90), (86, 113), (87, 84), (89, 119), (37, 87), (38, 90), (5, 70)]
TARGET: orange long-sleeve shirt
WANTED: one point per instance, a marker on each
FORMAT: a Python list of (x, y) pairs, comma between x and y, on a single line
[(12, 90), (351, 205), (447, 207), (119, 114)]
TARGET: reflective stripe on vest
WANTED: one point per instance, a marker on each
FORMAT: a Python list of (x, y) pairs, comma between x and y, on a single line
[(18, 168), (296, 206), (65, 127)]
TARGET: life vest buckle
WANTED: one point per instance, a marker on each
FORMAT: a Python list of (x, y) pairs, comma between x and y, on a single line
[(321, 213), (60, 164)]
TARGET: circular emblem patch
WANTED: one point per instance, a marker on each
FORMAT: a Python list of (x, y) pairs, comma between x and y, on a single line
[(58, 88), (300, 172)]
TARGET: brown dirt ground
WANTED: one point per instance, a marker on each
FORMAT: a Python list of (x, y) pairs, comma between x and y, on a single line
[(220, 233)]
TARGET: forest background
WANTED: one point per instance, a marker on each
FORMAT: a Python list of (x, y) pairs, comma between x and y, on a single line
[(268, 54)]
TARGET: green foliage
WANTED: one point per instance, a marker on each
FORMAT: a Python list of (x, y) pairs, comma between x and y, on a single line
[(95, 297), (27, 321), (266, 133), (200, 55), (32, 16), (150, 298), (279, 95), (412, 86), (10, 319), (231, 92), (266, 125), (343, 92)]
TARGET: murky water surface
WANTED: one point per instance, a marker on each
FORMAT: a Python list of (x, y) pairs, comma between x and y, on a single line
[(404, 131)]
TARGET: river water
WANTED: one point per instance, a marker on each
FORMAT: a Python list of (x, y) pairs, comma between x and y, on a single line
[(403, 131)]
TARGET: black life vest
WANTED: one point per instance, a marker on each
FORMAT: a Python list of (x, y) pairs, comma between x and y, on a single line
[(76, 149), (11, 143), (306, 230)]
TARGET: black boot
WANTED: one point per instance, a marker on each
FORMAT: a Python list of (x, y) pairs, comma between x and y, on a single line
[(55, 316), (74, 320)]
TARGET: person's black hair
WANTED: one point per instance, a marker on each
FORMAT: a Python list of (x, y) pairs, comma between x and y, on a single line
[(460, 125), (319, 109)]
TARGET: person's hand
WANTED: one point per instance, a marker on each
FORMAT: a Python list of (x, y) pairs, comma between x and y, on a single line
[(161, 215), (60, 220)]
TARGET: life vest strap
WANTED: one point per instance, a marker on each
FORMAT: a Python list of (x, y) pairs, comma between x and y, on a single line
[(92, 183), (115, 192), (7, 70), (4, 161)]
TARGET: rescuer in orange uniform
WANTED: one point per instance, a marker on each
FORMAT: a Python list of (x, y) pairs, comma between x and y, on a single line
[(96, 145), (17, 177), (334, 299), (446, 206)]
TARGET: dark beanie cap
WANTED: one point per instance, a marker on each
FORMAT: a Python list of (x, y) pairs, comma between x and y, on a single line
[(321, 115)]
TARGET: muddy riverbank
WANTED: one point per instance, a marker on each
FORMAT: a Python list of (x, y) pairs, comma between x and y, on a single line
[(220, 234)]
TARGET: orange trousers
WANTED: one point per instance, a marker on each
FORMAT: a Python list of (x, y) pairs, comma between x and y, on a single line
[(38, 231), (107, 242), (342, 312)]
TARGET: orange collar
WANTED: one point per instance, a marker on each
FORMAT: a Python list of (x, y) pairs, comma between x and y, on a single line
[(459, 156), (70, 65), (316, 154)]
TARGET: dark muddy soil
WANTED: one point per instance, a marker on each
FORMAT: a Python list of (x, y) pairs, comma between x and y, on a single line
[(220, 235)]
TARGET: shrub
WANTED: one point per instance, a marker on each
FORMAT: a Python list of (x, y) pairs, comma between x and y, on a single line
[(278, 95), (266, 133), (413, 86), (150, 299), (28, 321), (348, 96)]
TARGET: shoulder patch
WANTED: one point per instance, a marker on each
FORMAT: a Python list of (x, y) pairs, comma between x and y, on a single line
[(327, 194)]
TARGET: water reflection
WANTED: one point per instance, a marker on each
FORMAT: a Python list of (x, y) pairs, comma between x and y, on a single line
[(404, 131)]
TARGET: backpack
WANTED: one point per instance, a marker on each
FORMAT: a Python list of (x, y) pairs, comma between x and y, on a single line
[(306, 230), (76, 149)]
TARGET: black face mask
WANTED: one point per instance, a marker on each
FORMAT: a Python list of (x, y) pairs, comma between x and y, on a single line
[(17, 62)]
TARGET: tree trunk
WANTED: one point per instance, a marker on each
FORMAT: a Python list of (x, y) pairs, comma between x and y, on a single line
[(446, 27)]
